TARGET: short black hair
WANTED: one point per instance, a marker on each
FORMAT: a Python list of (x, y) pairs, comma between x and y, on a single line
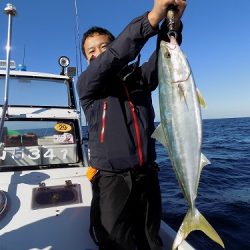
[(93, 30)]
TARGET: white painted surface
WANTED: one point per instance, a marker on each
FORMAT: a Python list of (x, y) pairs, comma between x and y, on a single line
[(61, 227)]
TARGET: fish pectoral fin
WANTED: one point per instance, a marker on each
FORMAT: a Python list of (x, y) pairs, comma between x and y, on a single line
[(159, 135), (201, 99), (204, 161), (194, 220), (181, 92)]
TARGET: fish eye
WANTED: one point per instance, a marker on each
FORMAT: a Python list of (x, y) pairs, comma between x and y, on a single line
[(167, 54)]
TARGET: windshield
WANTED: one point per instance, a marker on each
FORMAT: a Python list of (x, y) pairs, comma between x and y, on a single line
[(38, 143), (36, 92)]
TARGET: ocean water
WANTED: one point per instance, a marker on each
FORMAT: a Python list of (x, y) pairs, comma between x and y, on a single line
[(224, 189)]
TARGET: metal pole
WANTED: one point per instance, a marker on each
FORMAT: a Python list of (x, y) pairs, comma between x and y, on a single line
[(9, 10)]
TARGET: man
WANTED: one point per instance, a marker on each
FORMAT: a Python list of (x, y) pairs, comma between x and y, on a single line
[(116, 99)]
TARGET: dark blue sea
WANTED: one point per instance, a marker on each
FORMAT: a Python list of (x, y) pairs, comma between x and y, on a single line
[(224, 189)]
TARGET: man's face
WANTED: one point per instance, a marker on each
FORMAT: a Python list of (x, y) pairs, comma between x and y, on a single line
[(95, 45)]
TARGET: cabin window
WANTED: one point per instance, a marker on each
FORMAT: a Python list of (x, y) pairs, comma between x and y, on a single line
[(36, 92), (38, 143)]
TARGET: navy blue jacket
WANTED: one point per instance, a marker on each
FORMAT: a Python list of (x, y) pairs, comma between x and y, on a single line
[(119, 111)]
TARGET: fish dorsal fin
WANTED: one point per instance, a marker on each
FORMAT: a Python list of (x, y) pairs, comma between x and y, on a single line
[(201, 99), (204, 161), (159, 135)]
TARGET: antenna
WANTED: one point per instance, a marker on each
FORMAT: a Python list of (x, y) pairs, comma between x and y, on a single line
[(77, 39), (22, 67), (23, 54)]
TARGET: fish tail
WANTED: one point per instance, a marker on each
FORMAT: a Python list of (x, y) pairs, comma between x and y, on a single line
[(194, 220)]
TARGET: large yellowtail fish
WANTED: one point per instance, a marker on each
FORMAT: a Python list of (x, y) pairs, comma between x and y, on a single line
[(180, 131)]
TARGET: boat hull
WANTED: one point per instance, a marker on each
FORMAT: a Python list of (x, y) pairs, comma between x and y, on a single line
[(25, 226)]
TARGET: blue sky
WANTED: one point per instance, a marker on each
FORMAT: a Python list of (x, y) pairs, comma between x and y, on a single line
[(216, 40)]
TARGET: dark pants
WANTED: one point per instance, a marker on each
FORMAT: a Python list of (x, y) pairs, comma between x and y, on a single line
[(126, 210)]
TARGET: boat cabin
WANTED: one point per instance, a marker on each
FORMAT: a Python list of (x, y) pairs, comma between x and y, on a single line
[(42, 126)]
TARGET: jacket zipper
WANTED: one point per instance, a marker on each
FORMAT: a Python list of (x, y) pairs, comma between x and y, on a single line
[(104, 111), (137, 130)]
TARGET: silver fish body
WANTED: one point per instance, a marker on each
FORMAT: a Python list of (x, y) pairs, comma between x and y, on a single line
[(180, 117), (180, 131)]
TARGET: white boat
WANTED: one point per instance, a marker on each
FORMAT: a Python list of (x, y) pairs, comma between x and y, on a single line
[(45, 195)]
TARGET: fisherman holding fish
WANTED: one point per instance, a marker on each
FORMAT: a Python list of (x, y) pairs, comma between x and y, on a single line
[(115, 96)]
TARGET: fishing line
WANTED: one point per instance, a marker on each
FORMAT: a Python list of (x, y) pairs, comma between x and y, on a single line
[(85, 136), (77, 39)]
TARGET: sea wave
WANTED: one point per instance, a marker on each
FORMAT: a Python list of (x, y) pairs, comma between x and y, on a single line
[(224, 188)]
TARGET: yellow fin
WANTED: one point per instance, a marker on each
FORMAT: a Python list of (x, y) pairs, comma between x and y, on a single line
[(204, 161), (201, 99), (194, 220)]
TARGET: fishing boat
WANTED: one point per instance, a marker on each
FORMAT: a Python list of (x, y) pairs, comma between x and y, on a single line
[(45, 195)]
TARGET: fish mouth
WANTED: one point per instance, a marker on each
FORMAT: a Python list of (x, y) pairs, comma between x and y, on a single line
[(169, 45)]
